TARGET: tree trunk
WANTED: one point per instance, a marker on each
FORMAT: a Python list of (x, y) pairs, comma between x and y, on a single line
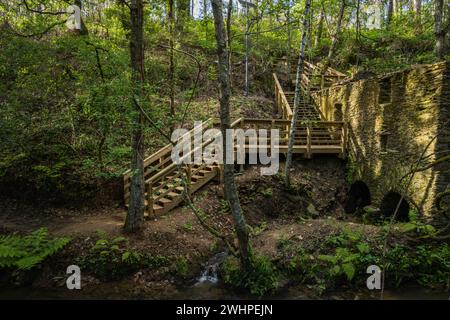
[(390, 12), (289, 42), (438, 29), (225, 121), (205, 18), (136, 206), (334, 42), (397, 6), (229, 15), (171, 62), (319, 29), (358, 20), (300, 64), (183, 11), (84, 30), (417, 5)]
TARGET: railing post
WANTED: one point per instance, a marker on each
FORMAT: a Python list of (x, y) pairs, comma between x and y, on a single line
[(308, 142), (149, 191)]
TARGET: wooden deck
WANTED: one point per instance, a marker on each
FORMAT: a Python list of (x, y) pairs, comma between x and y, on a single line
[(165, 181)]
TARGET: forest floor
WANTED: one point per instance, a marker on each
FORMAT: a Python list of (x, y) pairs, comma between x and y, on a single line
[(308, 212), (178, 233), (313, 210)]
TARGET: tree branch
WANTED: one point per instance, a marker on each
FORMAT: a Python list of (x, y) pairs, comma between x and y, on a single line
[(24, 2)]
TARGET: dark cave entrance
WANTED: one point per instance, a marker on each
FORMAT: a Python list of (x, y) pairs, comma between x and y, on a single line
[(358, 197), (389, 204)]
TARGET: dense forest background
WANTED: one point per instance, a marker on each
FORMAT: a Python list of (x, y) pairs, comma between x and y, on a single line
[(66, 115)]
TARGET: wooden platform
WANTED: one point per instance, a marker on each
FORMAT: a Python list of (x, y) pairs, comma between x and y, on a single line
[(166, 182)]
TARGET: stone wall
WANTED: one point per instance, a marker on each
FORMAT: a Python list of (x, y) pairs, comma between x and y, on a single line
[(392, 119)]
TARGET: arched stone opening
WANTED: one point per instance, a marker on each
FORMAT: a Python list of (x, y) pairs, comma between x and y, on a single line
[(389, 204), (358, 197)]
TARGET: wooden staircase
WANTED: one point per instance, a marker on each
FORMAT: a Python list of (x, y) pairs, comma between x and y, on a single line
[(166, 182)]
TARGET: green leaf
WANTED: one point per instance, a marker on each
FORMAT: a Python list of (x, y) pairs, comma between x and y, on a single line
[(328, 258), (408, 227), (119, 240), (363, 247), (349, 270), (125, 255)]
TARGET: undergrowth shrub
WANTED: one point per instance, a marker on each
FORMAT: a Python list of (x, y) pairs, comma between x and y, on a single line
[(25, 252), (342, 259), (261, 279), (110, 259)]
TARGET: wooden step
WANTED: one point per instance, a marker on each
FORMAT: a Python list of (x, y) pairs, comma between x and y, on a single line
[(164, 200)]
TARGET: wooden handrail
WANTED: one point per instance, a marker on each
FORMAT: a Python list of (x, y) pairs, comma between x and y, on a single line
[(284, 107), (169, 169), (166, 149)]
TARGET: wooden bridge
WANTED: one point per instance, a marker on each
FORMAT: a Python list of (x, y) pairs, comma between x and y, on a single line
[(165, 181)]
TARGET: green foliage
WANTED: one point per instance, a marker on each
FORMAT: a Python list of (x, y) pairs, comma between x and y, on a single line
[(111, 258), (182, 267), (188, 226), (343, 258), (427, 264), (257, 230), (26, 252), (267, 192), (261, 278), (352, 172)]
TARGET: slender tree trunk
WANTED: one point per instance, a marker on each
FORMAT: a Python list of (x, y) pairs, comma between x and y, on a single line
[(438, 29), (289, 42), (205, 18), (417, 5), (390, 12), (171, 62), (84, 29), (300, 65), (335, 40), (247, 53), (136, 207), (319, 29), (358, 20), (397, 6), (225, 121), (229, 15), (183, 8)]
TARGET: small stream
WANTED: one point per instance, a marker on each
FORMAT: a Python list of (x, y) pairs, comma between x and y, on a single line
[(208, 286)]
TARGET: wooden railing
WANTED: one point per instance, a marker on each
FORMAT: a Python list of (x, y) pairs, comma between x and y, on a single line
[(281, 102), (311, 136), (158, 161), (313, 79), (166, 180), (173, 176)]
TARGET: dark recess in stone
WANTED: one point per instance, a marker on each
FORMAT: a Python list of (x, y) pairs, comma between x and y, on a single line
[(358, 197), (389, 204)]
